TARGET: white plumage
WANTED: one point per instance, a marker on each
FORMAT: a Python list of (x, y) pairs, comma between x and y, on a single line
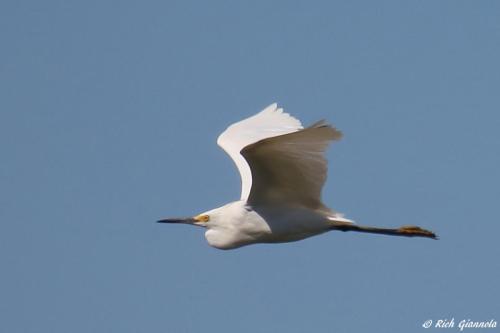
[(268, 123), (283, 170)]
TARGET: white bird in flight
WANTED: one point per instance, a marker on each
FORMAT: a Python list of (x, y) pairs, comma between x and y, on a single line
[(283, 169)]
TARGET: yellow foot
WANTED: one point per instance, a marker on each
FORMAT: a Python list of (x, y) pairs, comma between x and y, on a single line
[(412, 230)]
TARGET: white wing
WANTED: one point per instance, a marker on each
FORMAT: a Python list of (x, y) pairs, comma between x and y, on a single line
[(290, 168), (270, 122)]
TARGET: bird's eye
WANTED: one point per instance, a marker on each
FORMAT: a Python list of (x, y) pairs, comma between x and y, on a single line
[(203, 218)]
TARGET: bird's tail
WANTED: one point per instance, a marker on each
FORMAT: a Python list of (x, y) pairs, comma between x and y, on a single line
[(339, 218)]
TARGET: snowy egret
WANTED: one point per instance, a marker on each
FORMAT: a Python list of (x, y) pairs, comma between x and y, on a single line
[(282, 168)]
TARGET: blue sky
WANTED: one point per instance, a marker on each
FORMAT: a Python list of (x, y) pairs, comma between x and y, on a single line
[(108, 119)]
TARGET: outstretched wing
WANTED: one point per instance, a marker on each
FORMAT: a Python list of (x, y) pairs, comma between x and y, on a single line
[(290, 168), (270, 122)]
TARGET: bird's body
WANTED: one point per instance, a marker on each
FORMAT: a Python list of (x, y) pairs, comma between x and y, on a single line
[(239, 224), (282, 169)]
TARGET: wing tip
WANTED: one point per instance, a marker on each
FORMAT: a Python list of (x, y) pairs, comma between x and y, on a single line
[(271, 108), (274, 110), (335, 134)]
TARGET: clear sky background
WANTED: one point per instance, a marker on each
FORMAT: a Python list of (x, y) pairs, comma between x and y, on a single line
[(109, 113)]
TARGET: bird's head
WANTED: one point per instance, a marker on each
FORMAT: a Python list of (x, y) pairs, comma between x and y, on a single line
[(212, 218), (200, 220)]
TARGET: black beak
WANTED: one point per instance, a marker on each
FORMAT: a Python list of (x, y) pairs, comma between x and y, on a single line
[(186, 220)]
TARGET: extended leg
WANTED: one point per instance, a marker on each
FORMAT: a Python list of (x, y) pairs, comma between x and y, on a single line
[(406, 231)]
